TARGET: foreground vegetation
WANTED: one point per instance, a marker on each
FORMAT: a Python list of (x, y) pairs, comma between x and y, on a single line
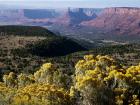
[(97, 80)]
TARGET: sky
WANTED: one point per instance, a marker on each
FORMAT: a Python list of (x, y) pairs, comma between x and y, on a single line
[(68, 3)]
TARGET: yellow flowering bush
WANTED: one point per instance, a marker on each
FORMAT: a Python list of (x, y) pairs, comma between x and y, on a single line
[(10, 80), (24, 80), (41, 94), (97, 80), (94, 74), (6, 94), (45, 74)]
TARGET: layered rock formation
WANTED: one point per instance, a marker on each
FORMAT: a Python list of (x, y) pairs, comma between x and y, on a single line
[(117, 20), (76, 16)]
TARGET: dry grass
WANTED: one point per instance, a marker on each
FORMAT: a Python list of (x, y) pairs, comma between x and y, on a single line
[(12, 42)]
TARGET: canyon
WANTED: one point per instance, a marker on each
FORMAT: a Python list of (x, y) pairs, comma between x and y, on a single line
[(118, 21)]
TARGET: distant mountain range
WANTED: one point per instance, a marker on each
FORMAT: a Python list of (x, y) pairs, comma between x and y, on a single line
[(122, 21), (70, 16)]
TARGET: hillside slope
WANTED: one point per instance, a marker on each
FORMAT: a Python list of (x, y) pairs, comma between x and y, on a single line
[(25, 31), (56, 46), (24, 50), (36, 40)]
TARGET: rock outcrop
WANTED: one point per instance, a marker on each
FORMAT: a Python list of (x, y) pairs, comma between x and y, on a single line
[(117, 20)]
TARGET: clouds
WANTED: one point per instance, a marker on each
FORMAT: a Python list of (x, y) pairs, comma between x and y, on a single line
[(70, 3)]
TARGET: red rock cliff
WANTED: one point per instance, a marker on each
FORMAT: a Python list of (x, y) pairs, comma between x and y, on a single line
[(118, 20)]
